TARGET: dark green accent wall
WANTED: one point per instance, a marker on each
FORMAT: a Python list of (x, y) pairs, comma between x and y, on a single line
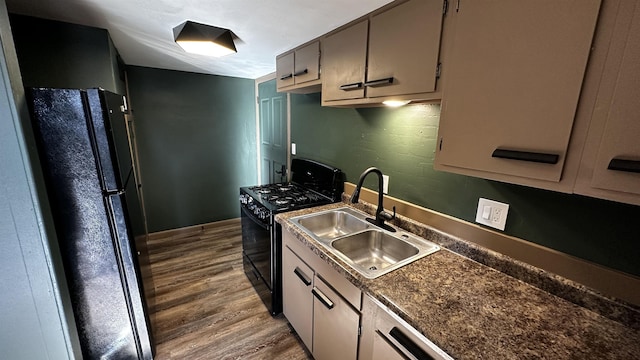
[(196, 141), (58, 54), (402, 142)]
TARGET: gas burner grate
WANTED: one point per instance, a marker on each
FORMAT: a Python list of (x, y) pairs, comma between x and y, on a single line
[(287, 195)]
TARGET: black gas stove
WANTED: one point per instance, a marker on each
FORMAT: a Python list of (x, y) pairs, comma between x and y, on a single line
[(312, 184), (266, 200)]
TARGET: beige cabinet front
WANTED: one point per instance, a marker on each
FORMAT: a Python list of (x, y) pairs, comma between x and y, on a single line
[(335, 325), (403, 49), (344, 56), (300, 66), (611, 161), (514, 74), (297, 301), (319, 303), (618, 163), (284, 70), (395, 52)]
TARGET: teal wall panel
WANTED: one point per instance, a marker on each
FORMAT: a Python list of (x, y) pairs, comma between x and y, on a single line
[(57, 54), (402, 142), (196, 137)]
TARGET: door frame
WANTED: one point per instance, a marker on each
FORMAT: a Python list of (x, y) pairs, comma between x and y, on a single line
[(259, 81)]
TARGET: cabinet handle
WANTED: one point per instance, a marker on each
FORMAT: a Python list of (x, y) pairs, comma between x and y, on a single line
[(409, 345), (322, 297), (285, 77), (353, 86), (301, 72), (526, 156), (302, 276), (380, 82), (624, 165)]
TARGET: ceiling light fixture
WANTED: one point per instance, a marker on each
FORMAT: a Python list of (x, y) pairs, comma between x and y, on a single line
[(204, 39), (396, 103)]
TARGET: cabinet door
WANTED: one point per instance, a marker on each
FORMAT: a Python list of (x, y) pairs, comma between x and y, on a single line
[(343, 63), (307, 63), (297, 300), (513, 79), (335, 325), (284, 70), (404, 44), (617, 166)]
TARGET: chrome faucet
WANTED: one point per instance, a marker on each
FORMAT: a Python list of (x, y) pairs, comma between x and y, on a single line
[(381, 215)]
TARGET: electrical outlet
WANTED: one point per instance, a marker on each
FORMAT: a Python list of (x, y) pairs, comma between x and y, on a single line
[(492, 213), (385, 184)]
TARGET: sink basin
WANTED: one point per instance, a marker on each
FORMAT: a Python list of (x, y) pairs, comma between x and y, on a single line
[(374, 249), (367, 248), (333, 224)]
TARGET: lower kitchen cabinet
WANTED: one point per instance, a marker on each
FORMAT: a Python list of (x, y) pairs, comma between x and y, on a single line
[(335, 325), (297, 302), (320, 304), (385, 336)]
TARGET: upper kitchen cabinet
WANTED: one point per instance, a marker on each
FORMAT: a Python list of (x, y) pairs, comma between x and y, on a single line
[(344, 63), (514, 74), (298, 70), (610, 166), (390, 54)]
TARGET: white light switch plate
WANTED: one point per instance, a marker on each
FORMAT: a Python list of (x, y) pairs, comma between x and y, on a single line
[(385, 184), (293, 148), (492, 213)]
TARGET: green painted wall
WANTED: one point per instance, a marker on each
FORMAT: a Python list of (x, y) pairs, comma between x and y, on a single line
[(58, 54), (402, 142), (196, 141)]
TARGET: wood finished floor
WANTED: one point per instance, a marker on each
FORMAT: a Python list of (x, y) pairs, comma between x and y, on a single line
[(205, 307)]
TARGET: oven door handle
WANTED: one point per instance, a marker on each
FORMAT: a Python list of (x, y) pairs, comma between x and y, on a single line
[(255, 219)]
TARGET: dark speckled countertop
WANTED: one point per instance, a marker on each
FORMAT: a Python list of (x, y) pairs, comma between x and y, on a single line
[(476, 304)]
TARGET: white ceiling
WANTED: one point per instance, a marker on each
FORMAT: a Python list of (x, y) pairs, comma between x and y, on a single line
[(142, 30)]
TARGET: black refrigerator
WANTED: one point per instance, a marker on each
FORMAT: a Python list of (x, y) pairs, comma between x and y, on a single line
[(82, 141)]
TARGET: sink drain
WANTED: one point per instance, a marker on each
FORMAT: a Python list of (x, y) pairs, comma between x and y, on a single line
[(372, 268)]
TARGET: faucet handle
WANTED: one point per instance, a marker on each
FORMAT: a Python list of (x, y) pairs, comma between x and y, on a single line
[(386, 216)]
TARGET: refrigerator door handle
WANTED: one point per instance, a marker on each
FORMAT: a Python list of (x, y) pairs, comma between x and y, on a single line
[(113, 192)]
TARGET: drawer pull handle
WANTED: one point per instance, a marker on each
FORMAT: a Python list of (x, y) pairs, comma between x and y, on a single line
[(302, 276), (526, 156), (408, 344), (353, 86), (323, 298), (285, 77), (380, 82), (624, 165), (301, 72)]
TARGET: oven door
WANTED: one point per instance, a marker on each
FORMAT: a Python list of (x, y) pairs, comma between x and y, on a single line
[(256, 244)]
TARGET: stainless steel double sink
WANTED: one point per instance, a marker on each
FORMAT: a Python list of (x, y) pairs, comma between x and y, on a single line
[(367, 248)]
